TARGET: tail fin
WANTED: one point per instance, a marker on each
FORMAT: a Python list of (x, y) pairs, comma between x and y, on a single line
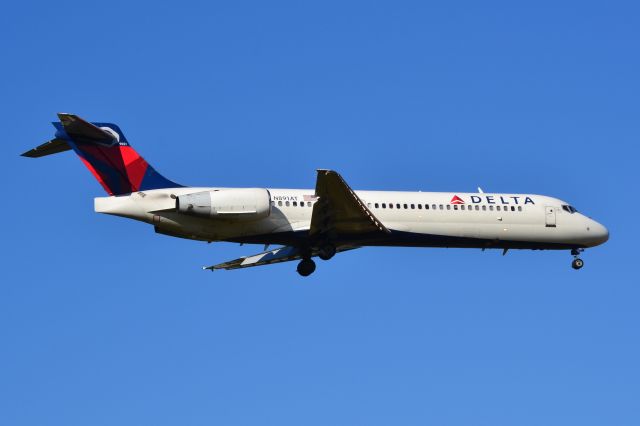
[(105, 151)]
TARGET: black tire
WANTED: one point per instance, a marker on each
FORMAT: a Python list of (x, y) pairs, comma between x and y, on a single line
[(306, 267), (327, 251), (577, 264)]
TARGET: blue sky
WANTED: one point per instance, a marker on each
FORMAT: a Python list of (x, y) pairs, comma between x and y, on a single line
[(103, 322)]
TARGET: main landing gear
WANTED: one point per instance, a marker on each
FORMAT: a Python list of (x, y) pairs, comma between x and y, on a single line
[(577, 262), (306, 267), (327, 251)]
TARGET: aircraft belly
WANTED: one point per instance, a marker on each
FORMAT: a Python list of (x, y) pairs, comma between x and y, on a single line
[(424, 232)]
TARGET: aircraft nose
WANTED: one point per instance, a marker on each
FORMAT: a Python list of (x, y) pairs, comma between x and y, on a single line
[(598, 233)]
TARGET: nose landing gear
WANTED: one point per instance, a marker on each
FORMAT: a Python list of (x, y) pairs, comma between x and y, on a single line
[(577, 263)]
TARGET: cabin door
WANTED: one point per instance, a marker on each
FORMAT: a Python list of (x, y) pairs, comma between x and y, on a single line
[(550, 216)]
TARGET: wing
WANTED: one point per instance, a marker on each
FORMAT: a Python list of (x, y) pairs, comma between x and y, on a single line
[(339, 210), (281, 254)]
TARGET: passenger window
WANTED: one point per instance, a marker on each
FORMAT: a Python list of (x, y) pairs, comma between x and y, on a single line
[(384, 206), (286, 204), (398, 206), (454, 207), (491, 208), (448, 206), (377, 205), (413, 206), (462, 207), (295, 204), (406, 207), (513, 209), (308, 203), (498, 208), (426, 206), (420, 206), (484, 208), (477, 208), (441, 207), (433, 206), (519, 208), (390, 205), (279, 203)]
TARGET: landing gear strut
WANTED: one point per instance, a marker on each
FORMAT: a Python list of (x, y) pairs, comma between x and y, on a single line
[(327, 251), (577, 262), (306, 267)]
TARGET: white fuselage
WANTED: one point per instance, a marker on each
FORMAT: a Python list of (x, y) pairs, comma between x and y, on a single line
[(436, 219)]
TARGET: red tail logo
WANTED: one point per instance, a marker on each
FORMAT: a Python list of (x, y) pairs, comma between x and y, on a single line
[(456, 200)]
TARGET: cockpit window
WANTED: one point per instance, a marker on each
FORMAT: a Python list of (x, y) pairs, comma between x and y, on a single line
[(569, 208)]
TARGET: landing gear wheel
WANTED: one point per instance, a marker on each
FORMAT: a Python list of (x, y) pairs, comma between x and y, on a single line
[(306, 267), (327, 251), (577, 263)]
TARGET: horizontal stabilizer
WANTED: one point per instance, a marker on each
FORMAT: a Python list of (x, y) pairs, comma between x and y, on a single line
[(72, 127), (54, 146), (82, 131), (105, 151)]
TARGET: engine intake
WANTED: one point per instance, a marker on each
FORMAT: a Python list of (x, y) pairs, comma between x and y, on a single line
[(237, 204)]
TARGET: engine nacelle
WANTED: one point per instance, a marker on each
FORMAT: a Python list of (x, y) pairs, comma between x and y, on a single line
[(236, 204)]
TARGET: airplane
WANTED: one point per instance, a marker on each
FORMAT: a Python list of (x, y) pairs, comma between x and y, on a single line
[(320, 222)]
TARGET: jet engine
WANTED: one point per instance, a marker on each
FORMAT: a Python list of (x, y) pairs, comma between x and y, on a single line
[(235, 204)]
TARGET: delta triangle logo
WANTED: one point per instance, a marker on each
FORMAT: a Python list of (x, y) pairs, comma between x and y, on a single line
[(456, 200)]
